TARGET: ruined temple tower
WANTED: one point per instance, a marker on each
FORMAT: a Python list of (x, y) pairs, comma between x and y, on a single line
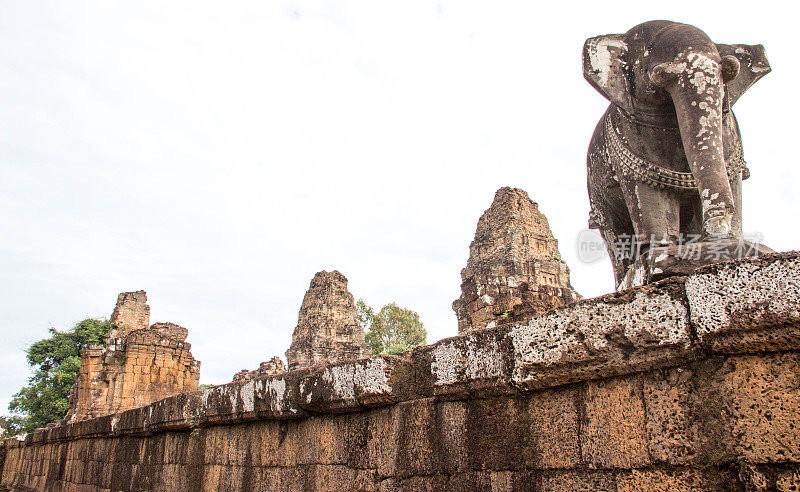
[(514, 267), (327, 326), (269, 368), (136, 366)]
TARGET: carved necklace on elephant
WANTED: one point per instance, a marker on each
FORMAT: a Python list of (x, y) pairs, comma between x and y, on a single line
[(629, 164)]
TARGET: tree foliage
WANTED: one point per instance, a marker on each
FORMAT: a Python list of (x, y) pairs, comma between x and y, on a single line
[(55, 361), (392, 330)]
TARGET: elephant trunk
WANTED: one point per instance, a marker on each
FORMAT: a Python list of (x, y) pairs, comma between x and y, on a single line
[(695, 83)]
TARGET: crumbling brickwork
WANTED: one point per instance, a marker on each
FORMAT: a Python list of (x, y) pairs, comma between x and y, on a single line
[(514, 268), (327, 325), (136, 366), (269, 368), (685, 384), (131, 313)]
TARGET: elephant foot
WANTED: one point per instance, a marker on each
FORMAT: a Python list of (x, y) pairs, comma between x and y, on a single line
[(718, 222), (678, 260)]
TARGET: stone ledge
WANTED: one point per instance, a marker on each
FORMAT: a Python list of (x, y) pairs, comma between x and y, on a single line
[(747, 305), (744, 306)]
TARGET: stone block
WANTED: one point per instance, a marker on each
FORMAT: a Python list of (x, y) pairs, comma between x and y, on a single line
[(569, 480), (493, 427), (747, 305), (415, 439), (609, 335), (669, 480), (475, 364), (762, 396), (350, 386), (614, 433), (553, 428)]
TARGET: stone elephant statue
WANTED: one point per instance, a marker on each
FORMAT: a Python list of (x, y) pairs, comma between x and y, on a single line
[(665, 161)]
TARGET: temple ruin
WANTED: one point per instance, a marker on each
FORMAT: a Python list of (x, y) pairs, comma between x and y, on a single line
[(136, 366), (686, 384), (514, 267), (269, 368), (327, 325)]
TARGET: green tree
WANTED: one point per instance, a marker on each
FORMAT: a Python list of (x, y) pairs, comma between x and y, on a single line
[(55, 361), (392, 330)]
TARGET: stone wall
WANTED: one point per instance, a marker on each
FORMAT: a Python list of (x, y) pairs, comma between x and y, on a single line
[(688, 384), (514, 270), (136, 366)]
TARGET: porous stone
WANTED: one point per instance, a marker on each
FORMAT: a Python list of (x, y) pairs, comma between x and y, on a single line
[(514, 269), (607, 335), (614, 432), (555, 420), (327, 326), (171, 330), (733, 303), (131, 313)]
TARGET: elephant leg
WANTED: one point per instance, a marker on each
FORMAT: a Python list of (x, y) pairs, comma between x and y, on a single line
[(617, 231), (609, 213), (655, 213), (736, 223)]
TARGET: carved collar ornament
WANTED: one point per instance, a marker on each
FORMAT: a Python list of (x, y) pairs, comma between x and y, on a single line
[(629, 164)]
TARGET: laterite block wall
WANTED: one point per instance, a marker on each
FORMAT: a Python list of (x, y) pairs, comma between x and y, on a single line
[(689, 384)]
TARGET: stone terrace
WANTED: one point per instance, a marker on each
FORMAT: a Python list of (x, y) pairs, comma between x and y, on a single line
[(690, 383)]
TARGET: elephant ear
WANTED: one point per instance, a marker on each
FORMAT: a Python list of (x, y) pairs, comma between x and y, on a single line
[(604, 67), (753, 63)]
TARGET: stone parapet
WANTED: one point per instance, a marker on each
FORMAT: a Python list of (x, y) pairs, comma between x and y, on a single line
[(689, 383)]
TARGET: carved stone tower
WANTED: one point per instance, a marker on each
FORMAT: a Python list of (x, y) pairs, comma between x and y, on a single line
[(514, 267), (327, 326)]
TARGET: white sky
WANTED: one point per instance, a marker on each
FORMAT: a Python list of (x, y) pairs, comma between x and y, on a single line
[(217, 155)]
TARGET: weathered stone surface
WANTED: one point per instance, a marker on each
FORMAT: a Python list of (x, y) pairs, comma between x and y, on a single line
[(638, 407), (376, 381), (763, 406), (268, 368), (614, 433), (666, 480), (514, 268), (733, 303), (661, 262), (555, 423), (477, 363), (136, 366), (171, 330), (131, 313), (574, 480), (327, 326), (607, 335)]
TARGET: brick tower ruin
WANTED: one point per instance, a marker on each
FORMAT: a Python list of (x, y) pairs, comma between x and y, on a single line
[(327, 326), (514, 267), (269, 368), (137, 365)]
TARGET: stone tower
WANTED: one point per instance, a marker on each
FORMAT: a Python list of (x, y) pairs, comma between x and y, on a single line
[(269, 368), (136, 366), (327, 326), (130, 314), (514, 267)]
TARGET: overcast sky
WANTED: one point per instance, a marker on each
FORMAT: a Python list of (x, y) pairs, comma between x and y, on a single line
[(217, 155)]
